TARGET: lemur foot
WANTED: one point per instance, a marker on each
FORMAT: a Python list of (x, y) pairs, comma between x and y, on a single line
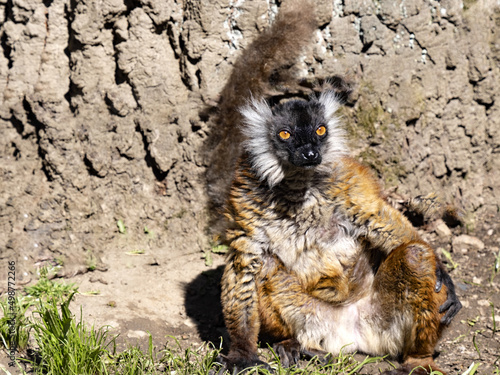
[(290, 352), (239, 364)]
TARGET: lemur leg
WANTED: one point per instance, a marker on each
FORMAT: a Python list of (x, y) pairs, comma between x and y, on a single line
[(240, 307), (405, 284), (301, 321), (249, 296), (272, 299)]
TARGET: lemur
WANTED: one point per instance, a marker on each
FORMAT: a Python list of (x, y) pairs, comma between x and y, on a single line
[(318, 259)]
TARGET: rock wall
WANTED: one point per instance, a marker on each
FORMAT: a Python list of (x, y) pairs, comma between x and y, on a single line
[(103, 110), (427, 114)]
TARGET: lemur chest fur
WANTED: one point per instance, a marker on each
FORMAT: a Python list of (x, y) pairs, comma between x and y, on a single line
[(310, 238)]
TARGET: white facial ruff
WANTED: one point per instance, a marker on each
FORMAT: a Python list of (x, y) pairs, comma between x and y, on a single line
[(257, 117), (336, 145)]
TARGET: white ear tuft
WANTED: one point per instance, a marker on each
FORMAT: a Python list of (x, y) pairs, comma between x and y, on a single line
[(256, 118), (330, 103), (256, 115), (336, 147)]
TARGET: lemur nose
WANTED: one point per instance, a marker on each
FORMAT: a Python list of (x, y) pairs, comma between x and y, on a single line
[(310, 155)]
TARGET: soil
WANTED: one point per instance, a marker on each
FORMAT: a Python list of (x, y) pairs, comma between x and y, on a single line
[(173, 293), (106, 110)]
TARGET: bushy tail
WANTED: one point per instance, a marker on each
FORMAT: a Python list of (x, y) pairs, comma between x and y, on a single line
[(267, 61), (424, 209), (263, 67)]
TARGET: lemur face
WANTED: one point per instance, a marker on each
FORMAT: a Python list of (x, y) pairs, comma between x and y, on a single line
[(299, 133), (296, 134)]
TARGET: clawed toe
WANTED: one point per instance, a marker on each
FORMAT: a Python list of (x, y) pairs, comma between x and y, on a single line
[(290, 352), (239, 365), (323, 357)]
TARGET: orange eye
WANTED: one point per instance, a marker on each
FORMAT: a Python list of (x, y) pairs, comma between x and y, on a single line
[(321, 130), (284, 134)]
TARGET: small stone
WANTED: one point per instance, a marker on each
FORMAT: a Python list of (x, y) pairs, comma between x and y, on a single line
[(189, 322), (442, 229), (32, 225), (490, 232), (95, 279), (136, 334), (465, 242)]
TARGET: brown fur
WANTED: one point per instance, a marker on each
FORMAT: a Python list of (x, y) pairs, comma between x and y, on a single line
[(264, 65), (260, 292), (320, 259)]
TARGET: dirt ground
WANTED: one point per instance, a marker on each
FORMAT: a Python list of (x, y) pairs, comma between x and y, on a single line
[(180, 297), (178, 294)]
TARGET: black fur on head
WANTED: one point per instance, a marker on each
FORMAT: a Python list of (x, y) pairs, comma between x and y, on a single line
[(299, 122), (296, 134)]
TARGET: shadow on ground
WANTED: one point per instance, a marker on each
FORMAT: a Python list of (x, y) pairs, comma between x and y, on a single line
[(202, 302)]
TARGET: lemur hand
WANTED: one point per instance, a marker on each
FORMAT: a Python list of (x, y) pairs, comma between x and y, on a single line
[(452, 305)]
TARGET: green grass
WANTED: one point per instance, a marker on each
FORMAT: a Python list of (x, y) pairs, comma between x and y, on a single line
[(344, 364), (49, 289), (65, 345), (134, 361), (51, 340), (451, 264), (196, 361), (15, 335)]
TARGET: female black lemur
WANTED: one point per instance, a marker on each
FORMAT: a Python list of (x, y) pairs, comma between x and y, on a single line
[(318, 259)]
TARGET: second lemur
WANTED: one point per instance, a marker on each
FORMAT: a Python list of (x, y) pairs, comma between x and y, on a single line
[(318, 259)]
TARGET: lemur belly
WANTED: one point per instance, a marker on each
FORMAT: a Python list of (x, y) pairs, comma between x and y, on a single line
[(353, 327), (329, 263), (318, 246)]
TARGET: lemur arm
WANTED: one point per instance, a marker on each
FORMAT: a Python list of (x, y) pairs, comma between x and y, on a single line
[(384, 227), (360, 200)]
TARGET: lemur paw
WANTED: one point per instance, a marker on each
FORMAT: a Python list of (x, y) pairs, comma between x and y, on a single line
[(239, 364), (290, 352), (452, 305)]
